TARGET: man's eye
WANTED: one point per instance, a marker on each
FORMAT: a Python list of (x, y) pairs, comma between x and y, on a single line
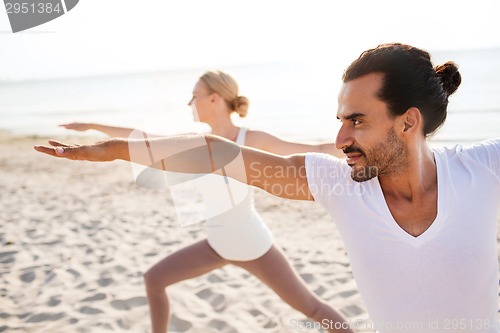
[(356, 122)]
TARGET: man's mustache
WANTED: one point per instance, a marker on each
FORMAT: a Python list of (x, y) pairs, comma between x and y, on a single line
[(352, 149)]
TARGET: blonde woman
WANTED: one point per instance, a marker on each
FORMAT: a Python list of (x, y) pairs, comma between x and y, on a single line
[(238, 236)]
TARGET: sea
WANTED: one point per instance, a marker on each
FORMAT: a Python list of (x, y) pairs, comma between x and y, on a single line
[(296, 101)]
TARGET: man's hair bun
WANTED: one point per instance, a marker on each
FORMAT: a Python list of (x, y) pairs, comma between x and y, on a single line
[(450, 76)]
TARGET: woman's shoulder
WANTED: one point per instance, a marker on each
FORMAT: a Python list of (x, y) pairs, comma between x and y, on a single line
[(258, 139)]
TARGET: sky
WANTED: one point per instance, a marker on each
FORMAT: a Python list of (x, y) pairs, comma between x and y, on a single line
[(101, 37)]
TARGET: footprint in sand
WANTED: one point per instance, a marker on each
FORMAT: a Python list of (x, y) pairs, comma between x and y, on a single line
[(217, 301), (270, 324), (90, 310), (352, 310), (96, 297), (75, 274), (348, 293), (222, 326), (261, 317), (7, 257), (27, 277), (179, 325), (129, 303), (307, 277), (320, 290), (341, 280), (39, 317), (256, 313), (104, 282), (49, 276), (53, 301), (214, 278)]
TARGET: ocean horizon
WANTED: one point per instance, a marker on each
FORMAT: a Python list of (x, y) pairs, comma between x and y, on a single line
[(294, 101)]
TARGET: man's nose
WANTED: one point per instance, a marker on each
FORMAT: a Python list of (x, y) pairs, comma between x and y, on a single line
[(344, 138)]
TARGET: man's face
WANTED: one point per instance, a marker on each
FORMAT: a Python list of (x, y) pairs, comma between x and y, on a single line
[(367, 135)]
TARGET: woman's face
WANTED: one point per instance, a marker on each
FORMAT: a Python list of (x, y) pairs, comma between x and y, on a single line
[(201, 103)]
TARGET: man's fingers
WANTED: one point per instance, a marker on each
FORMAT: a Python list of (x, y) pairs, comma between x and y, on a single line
[(56, 143), (65, 152), (94, 153), (46, 150)]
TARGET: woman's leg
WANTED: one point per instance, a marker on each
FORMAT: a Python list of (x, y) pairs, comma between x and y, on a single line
[(187, 263), (274, 270)]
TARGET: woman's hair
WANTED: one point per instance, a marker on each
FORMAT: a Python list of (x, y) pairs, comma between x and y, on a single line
[(409, 80), (224, 85)]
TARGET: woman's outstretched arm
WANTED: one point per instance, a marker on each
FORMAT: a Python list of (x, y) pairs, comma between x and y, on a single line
[(268, 142), (112, 131), (283, 176)]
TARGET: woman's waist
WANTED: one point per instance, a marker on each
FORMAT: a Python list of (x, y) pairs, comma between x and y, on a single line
[(234, 216)]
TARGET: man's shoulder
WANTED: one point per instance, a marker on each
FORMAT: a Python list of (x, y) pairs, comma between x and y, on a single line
[(484, 154), (322, 160), (321, 167), (493, 143), (488, 145)]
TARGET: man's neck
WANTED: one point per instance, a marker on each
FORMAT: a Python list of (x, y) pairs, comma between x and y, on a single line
[(415, 180)]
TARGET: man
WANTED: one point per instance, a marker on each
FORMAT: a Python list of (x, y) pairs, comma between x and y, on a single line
[(419, 224)]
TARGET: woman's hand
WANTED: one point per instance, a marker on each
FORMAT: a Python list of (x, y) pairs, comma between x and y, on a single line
[(104, 151), (77, 126)]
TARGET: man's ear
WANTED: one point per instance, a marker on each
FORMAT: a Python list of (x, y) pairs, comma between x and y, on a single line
[(412, 120)]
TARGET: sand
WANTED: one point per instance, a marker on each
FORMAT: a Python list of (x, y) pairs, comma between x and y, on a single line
[(76, 238)]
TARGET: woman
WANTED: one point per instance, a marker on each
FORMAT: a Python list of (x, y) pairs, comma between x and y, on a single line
[(238, 236)]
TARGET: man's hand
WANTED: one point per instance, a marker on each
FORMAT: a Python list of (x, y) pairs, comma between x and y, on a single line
[(98, 152)]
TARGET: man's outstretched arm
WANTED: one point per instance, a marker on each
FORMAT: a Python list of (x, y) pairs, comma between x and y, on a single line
[(283, 176)]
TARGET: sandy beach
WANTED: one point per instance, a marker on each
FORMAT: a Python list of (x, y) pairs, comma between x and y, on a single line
[(77, 237)]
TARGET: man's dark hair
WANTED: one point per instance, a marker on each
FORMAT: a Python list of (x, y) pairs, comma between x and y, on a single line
[(409, 80)]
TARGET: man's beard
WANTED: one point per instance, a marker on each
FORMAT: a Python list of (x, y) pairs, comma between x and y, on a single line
[(389, 156)]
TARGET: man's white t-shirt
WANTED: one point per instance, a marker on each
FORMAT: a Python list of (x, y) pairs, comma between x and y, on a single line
[(447, 278)]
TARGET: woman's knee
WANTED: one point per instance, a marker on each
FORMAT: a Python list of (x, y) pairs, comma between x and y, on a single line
[(155, 280)]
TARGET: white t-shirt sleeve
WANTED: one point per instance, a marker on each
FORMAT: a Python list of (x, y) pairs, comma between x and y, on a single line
[(487, 154), (324, 173)]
